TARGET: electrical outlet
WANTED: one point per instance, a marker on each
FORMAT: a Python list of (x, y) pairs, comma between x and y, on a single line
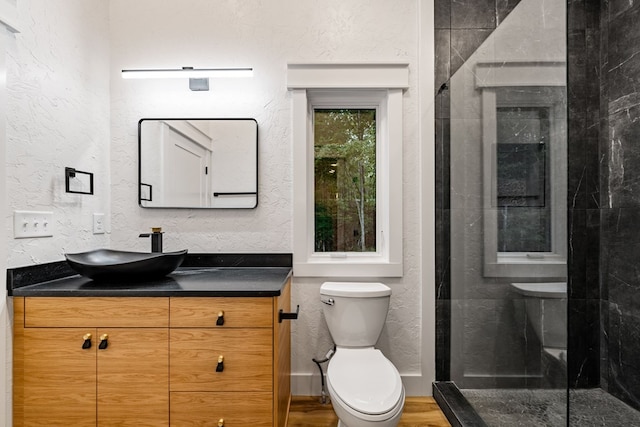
[(98, 223), (27, 224)]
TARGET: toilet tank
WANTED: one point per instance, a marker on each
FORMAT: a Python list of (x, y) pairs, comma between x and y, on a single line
[(355, 312)]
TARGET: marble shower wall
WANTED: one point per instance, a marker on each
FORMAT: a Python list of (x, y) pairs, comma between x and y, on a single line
[(603, 182), (620, 199), (583, 193)]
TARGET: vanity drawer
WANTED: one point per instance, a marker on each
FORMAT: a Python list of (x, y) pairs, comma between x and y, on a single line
[(247, 360), (237, 312), (96, 312), (233, 409)]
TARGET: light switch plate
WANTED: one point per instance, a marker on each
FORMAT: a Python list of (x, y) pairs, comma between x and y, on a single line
[(98, 223), (27, 224)]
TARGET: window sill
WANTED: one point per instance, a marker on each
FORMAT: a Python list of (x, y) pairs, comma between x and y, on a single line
[(518, 267), (347, 268)]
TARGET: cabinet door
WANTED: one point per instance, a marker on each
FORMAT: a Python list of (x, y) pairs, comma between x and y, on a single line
[(133, 377), (60, 378)]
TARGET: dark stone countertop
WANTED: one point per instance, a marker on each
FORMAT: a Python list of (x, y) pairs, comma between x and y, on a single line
[(200, 276)]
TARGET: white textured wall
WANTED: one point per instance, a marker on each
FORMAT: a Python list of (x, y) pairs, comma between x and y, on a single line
[(58, 115), (266, 36)]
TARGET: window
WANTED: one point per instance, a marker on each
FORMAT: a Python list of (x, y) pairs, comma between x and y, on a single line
[(344, 179), (347, 149)]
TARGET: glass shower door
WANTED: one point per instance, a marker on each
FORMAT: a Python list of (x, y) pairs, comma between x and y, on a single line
[(508, 234)]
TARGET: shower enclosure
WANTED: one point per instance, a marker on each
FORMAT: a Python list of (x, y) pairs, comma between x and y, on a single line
[(538, 187)]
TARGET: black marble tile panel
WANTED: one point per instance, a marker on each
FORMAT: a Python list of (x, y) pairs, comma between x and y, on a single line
[(583, 343), (620, 7), (577, 253), (473, 14), (443, 157), (623, 60), (443, 257), (592, 172), (603, 161), (624, 347), (604, 344), (623, 286), (442, 70), (504, 8), (443, 339), (592, 13), (442, 14), (624, 158), (577, 161), (464, 43), (592, 257), (576, 14)]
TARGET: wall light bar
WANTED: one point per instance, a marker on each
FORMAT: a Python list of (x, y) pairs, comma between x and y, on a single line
[(186, 72)]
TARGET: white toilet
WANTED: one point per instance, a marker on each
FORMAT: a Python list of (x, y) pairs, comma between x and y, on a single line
[(365, 387)]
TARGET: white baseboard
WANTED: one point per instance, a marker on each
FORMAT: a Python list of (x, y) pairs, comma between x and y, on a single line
[(306, 384)]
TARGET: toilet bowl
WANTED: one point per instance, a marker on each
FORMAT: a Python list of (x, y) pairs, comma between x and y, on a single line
[(364, 386)]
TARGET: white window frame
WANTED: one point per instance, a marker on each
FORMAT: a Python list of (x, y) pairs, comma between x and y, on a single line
[(377, 86)]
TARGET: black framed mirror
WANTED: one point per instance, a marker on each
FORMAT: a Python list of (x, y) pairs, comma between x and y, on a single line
[(198, 163)]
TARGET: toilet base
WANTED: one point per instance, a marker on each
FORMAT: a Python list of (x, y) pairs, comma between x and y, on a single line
[(393, 422), (342, 413)]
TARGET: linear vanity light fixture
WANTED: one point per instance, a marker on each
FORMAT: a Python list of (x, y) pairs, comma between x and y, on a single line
[(198, 77)]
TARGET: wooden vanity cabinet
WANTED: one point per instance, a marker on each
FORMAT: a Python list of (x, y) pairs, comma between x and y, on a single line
[(160, 364), (61, 380), (252, 387)]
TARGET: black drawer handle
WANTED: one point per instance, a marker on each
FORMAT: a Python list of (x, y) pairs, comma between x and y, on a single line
[(220, 320)]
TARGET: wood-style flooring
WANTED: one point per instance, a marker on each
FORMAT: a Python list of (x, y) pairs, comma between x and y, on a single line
[(418, 412)]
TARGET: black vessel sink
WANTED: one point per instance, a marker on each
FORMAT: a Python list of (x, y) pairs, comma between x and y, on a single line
[(107, 264)]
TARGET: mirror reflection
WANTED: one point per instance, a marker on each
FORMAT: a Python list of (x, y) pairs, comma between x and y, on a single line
[(198, 163)]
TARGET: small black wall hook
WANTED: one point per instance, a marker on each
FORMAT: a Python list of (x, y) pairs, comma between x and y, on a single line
[(288, 316)]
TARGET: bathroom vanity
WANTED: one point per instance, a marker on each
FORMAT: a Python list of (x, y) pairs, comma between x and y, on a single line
[(203, 346)]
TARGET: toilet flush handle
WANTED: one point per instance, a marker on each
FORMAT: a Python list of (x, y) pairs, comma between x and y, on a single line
[(329, 301)]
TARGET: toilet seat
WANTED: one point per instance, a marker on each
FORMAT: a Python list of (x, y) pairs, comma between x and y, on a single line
[(365, 381)]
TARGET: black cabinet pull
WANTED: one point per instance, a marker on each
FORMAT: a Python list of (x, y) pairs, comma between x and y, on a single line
[(220, 366), (104, 342), (220, 320), (87, 341)]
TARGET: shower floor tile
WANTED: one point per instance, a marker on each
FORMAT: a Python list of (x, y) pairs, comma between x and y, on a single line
[(547, 407)]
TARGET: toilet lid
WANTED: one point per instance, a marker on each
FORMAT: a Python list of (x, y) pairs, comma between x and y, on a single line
[(365, 380)]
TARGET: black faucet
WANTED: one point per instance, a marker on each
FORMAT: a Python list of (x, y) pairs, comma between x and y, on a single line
[(156, 239)]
